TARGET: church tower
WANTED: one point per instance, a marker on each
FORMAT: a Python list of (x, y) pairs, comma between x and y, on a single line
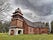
[(16, 26)]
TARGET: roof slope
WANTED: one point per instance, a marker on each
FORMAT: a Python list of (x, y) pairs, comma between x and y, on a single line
[(35, 24)]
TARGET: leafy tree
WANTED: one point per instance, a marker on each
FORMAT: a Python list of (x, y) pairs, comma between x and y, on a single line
[(4, 27), (47, 24), (0, 26), (52, 27)]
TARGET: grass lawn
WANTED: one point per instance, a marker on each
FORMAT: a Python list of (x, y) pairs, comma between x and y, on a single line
[(26, 37)]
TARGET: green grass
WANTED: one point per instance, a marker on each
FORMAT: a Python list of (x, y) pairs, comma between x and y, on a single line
[(26, 37)]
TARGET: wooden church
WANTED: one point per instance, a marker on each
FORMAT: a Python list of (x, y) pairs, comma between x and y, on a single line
[(20, 25)]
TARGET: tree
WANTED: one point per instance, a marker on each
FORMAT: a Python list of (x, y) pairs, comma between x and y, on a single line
[(47, 24), (5, 6), (0, 25), (52, 27), (4, 27)]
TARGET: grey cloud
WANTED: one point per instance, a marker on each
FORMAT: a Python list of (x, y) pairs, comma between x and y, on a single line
[(41, 7)]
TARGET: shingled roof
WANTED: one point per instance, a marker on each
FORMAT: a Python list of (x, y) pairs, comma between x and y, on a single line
[(35, 24)]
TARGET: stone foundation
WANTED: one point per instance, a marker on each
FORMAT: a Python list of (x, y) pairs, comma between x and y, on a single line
[(15, 31)]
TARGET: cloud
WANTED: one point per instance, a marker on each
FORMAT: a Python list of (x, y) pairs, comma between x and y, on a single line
[(41, 8), (37, 10)]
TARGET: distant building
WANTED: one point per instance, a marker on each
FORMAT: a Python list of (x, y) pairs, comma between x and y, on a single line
[(20, 25)]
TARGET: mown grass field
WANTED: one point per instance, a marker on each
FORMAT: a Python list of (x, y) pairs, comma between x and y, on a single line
[(26, 37)]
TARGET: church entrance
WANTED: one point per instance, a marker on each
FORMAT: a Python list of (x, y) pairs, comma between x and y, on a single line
[(15, 31), (19, 31), (12, 32)]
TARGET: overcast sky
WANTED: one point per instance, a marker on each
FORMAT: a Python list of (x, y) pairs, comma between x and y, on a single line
[(36, 10)]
